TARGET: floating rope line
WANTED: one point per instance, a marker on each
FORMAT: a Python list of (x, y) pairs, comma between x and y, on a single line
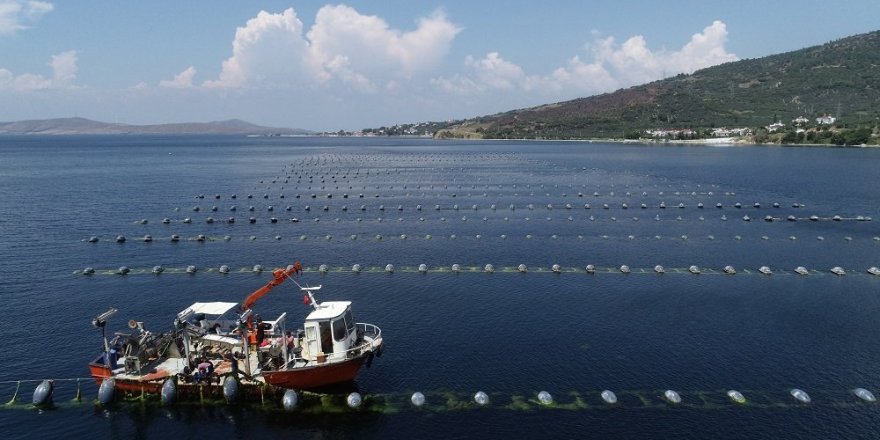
[(571, 400), (520, 269)]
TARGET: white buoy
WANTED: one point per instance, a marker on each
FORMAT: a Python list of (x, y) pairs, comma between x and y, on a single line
[(590, 269), (659, 269), (88, 271), (672, 396), (417, 399), (837, 270), (801, 270), (545, 398), (624, 269), (729, 270), (157, 270), (765, 270), (522, 268), (694, 270), (456, 268), (123, 270), (257, 268), (290, 400), (356, 268), (800, 395), (322, 268), (224, 269), (489, 268), (736, 396), (191, 269), (353, 400), (120, 239), (93, 239), (481, 398), (609, 397), (874, 271), (864, 394), (556, 269), (389, 268)]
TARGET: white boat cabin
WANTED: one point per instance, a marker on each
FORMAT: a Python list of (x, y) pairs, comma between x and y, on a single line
[(329, 332)]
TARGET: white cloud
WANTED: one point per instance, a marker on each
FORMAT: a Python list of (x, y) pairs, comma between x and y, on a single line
[(64, 70), (360, 51), (16, 15), (182, 80), (612, 66)]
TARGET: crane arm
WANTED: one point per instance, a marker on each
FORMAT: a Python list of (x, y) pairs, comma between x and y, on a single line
[(279, 275)]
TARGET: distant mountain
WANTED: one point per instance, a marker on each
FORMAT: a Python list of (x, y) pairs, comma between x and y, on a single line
[(66, 126), (840, 78)]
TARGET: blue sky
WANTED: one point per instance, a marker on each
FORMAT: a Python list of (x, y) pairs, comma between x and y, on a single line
[(329, 66)]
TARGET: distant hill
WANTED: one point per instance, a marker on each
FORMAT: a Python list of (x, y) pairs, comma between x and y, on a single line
[(840, 78), (67, 126)]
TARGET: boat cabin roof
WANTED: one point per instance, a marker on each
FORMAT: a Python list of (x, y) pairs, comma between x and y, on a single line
[(328, 310)]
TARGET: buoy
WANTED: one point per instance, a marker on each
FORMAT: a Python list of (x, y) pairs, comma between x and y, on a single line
[(224, 269), (765, 270), (201, 238), (545, 398), (456, 268), (864, 394), (556, 269), (423, 268), (191, 269), (230, 389), (389, 268), (353, 400), (43, 393), (120, 239), (481, 398), (91, 271), (874, 271), (837, 270), (672, 396), (417, 399), (107, 391), (729, 270), (591, 269), (322, 268), (175, 238), (624, 269), (257, 268), (522, 268), (489, 268), (290, 400), (800, 395), (169, 392), (694, 270), (659, 269), (801, 270), (736, 396), (356, 268), (157, 270), (93, 239), (123, 270), (609, 397)]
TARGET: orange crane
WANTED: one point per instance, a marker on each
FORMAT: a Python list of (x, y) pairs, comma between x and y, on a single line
[(279, 275)]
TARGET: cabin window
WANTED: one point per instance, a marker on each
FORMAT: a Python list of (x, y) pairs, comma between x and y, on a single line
[(349, 321), (339, 332), (326, 338)]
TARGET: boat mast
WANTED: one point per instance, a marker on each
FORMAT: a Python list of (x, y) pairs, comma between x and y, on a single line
[(100, 321)]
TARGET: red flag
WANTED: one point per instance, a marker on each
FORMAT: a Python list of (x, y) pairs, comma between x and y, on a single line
[(306, 299)]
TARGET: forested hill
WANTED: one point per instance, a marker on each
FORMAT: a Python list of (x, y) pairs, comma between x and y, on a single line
[(840, 78)]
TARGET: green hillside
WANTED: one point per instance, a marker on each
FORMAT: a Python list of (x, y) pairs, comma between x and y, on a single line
[(840, 78)]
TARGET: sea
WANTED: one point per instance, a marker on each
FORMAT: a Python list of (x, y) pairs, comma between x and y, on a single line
[(504, 304)]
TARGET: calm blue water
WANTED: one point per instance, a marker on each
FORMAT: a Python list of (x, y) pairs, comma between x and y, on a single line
[(450, 335)]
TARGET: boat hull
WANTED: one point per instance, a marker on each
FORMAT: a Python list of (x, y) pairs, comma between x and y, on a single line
[(315, 376)]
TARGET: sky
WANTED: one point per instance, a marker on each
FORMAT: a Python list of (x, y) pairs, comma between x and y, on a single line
[(369, 63)]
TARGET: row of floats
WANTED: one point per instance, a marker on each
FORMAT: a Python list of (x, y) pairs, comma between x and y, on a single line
[(201, 238), (489, 268), (477, 207), (290, 399)]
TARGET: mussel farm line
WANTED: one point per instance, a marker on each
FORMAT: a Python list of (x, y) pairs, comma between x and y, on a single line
[(277, 399), (488, 268)]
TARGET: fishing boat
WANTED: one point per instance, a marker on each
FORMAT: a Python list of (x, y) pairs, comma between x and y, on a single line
[(225, 348)]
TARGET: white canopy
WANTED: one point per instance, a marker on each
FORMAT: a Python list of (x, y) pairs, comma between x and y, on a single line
[(212, 308)]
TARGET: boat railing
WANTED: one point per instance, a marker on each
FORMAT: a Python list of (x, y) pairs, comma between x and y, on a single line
[(369, 339)]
